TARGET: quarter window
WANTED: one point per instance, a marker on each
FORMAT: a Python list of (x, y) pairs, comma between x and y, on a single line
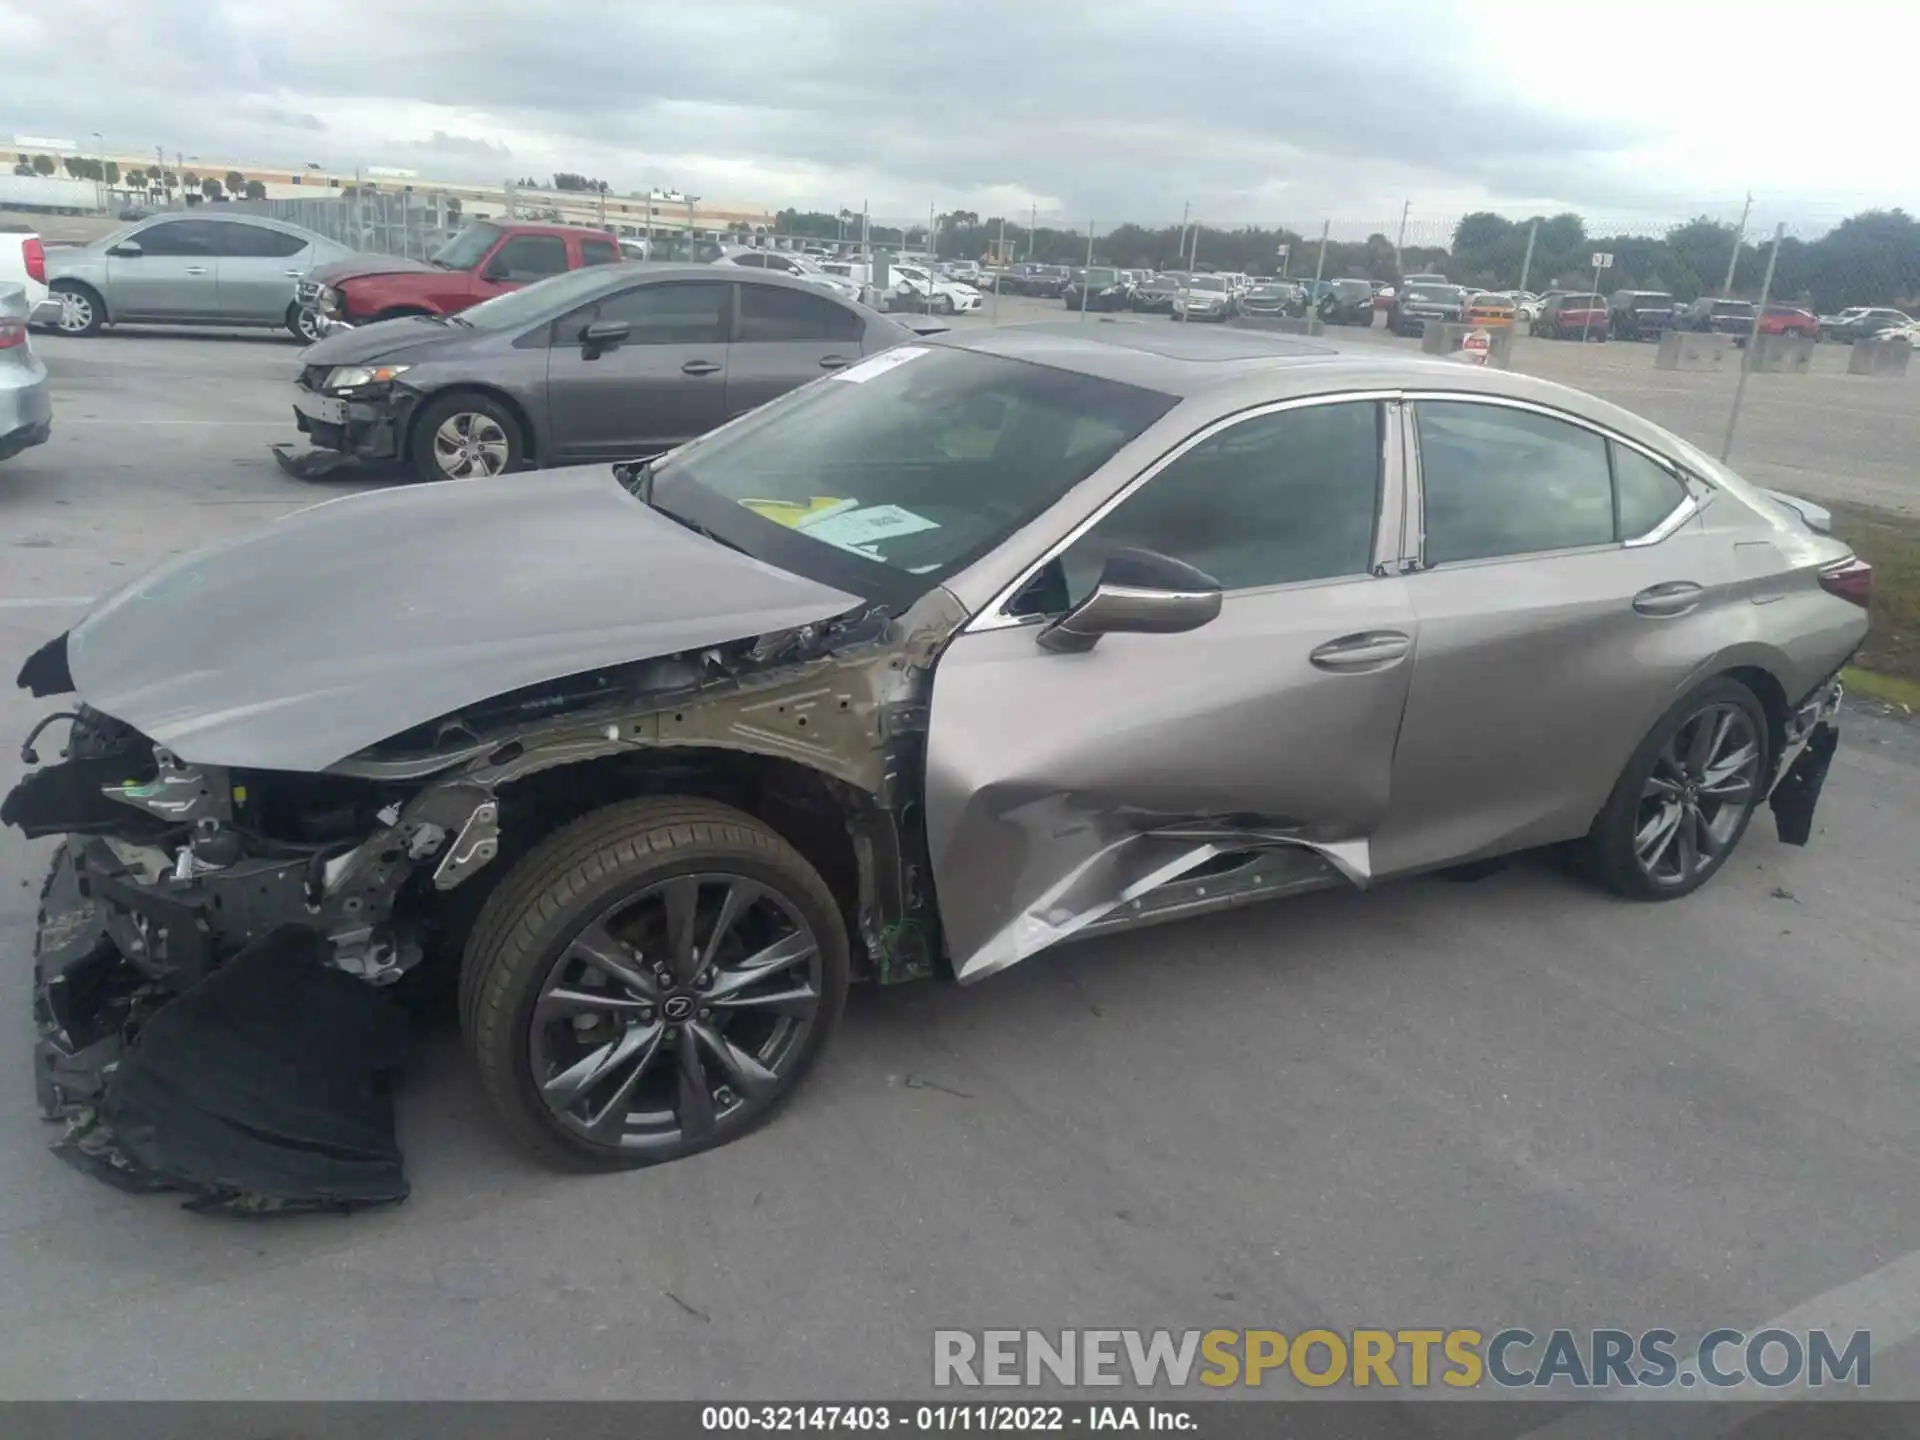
[(1497, 481), (1648, 492), (1273, 500)]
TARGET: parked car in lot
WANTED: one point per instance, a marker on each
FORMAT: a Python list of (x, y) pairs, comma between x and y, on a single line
[(1100, 288), (1419, 301), (914, 287), (23, 262), (1272, 298), (606, 363), (1789, 320), (1085, 632), (1862, 322), (1727, 317), (1203, 297), (1571, 317), (207, 268), (1639, 314), (1156, 296), (486, 259), (1346, 302), (1490, 308), (26, 396), (800, 267)]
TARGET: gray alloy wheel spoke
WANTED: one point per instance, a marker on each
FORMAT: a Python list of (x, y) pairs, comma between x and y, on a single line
[(586, 1072), (749, 1076), (739, 899), (682, 899), (1708, 728), (1687, 842), (564, 1002), (797, 1003), (781, 955), (1657, 835), (642, 1044), (1729, 768), (1705, 839), (695, 1105), (1657, 785), (597, 947)]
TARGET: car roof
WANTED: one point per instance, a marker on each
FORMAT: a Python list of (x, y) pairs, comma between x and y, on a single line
[(1250, 367)]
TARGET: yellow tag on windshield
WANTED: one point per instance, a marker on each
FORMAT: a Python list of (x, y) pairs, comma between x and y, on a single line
[(791, 512)]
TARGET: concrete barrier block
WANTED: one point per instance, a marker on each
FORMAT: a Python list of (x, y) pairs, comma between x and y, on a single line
[(1880, 357), (1447, 338), (1781, 354), (1695, 350)]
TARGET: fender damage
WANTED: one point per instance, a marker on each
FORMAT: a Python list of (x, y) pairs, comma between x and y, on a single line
[(189, 900)]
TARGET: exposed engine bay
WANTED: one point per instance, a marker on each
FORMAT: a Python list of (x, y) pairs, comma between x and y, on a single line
[(200, 923)]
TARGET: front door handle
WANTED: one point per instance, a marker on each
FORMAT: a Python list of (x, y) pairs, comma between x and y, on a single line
[(835, 362), (1675, 597), (1369, 650), (196, 269), (700, 367), (294, 274)]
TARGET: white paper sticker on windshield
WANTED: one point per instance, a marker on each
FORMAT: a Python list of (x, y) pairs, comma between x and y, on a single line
[(860, 528), (880, 364)]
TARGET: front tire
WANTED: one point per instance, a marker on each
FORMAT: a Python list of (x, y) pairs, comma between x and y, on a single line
[(466, 436), (304, 324), (1686, 796), (654, 980), (82, 311)]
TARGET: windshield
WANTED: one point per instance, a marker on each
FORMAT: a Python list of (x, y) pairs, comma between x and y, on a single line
[(1352, 289), (1206, 282), (1580, 302), (542, 300), (464, 250), (1433, 294), (1651, 300), (888, 476), (1732, 307), (1103, 277)]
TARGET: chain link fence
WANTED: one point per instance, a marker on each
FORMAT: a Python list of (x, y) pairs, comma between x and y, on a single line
[(411, 223)]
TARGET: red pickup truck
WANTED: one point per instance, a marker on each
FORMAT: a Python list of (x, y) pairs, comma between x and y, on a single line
[(483, 260)]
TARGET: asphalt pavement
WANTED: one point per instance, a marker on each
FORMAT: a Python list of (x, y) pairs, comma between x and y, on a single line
[(1513, 1101)]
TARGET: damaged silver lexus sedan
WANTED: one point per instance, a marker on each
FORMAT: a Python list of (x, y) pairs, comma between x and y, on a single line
[(972, 648)]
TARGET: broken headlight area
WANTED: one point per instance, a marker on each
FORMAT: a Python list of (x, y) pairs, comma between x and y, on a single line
[(202, 965)]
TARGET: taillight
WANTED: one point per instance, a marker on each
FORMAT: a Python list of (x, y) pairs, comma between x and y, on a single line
[(1851, 579), (12, 333), (35, 255)]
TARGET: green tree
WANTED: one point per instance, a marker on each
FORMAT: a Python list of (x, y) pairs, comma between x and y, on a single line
[(43, 165), (110, 172), (236, 183), (212, 188), (256, 190)]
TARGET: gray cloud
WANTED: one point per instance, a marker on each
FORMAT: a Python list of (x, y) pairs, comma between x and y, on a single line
[(1127, 109)]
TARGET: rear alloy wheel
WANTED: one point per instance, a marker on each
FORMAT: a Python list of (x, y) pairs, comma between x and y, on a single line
[(466, 437), (1686, 797), (652, 981), (81, 312)]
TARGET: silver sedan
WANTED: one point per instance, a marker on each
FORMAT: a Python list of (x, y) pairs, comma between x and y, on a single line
[(209, 267), (26, 406)]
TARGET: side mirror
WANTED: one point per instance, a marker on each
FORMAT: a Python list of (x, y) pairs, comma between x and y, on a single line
[(603, 335), (1139, 593), (127, 250)]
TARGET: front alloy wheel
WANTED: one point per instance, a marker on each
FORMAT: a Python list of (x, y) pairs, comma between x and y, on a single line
[(468, 445), (674, 1012), (651, 981)]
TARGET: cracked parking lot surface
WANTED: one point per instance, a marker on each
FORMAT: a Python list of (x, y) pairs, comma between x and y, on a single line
[(1511, 1101)]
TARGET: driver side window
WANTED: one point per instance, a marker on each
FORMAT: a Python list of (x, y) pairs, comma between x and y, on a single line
[(1274, 500)]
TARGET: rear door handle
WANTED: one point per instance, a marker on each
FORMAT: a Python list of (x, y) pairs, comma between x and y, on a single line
[(1675, 597), (196, 269), (700, 367), (294, 274), (835, 362), (1369, 650)]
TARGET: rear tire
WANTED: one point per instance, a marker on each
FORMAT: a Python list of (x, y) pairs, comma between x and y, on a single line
[(605, 886), (82, 311), (1686, 797)]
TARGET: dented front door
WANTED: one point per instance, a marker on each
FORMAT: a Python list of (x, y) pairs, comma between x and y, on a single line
[(1060, 786)]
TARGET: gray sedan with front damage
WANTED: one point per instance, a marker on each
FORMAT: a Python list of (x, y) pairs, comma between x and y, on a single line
[(983, 644), (613, 362)]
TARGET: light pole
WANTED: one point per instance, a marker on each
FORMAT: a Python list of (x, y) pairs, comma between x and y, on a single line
[(99, 194)]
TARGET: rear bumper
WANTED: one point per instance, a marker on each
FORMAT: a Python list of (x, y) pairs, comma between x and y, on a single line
[(26, 407), (1813, 735)]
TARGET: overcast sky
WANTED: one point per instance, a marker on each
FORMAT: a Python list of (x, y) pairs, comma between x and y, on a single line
[(1250, 110)]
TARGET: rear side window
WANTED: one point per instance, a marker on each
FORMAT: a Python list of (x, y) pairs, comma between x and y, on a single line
[(771, 314), (257, 241), (599, 252), (1501, 482)]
